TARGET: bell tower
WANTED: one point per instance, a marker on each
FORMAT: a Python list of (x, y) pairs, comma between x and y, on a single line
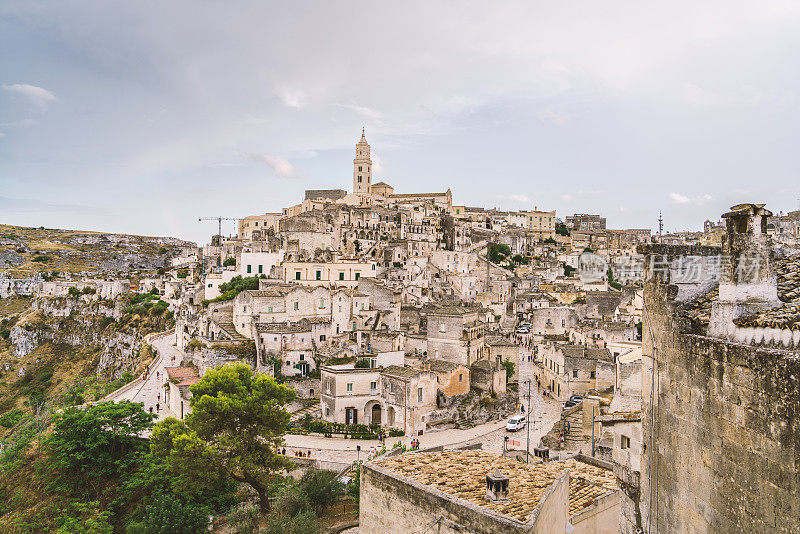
[(362, 167)]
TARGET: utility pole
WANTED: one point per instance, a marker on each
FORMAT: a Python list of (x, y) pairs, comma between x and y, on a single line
[(592, 431), (219, 221), (528, 427), (660, 225)]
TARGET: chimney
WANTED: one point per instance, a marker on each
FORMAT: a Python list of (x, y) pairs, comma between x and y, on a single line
[(747, 280), (496, 487)]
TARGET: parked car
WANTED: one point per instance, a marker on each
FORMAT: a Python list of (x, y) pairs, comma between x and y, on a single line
[(576, 398), (522, 330), (516, 423), (569, 404)]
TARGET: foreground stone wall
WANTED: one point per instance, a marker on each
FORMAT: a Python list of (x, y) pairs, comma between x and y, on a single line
[(724, 452), (392, 503)]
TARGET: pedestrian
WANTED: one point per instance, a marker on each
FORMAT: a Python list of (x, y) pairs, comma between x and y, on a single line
[(158, 407), (156, 374), (151, 409), (283, 452), (308, 454), (568, 426), (159, 396)]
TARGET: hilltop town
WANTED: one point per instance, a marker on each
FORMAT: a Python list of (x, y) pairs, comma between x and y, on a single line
[(545, 369)]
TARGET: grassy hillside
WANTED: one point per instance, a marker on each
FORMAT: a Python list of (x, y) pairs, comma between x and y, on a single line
[(26, 251)]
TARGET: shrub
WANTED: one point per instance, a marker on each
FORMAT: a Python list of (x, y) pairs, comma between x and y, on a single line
[(5, 333), (162, 250), (167, 514), (229, 262), (363, 363), (11, 418), (41, 258)]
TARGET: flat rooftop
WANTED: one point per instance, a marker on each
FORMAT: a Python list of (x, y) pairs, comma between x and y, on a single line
[(463, 474)]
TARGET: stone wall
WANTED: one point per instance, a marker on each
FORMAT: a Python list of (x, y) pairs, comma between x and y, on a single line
[(393, 503), (722, 453)]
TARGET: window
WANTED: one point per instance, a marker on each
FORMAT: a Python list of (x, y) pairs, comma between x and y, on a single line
[(297, 275), (624, 442), (210, 285), (319, 275), (269, 309), (359, 179), (441, 327), (563, 323), (302, 357), (373, 386), (358, 275), (244, 309), (341, 276), (461, 377), (419, 394), (349, 387), (327, 411), (359, 168), (591, 374), (296, 305), (328, 387), (322, 337), (574, 373), (249, 269), (321, 303), (260, 269)]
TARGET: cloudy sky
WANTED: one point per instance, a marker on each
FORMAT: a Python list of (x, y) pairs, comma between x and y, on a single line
[(142, 116)]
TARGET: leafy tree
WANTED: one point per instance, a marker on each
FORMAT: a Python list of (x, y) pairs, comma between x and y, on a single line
[(321, 487), (73, 292), (230, 261), (237, 422), (167, 514), (303, 523), (568, 270), (561, 229), (90, 443), (244, 518), (85, 518), (498, 252), (509, 365), (550, 241)]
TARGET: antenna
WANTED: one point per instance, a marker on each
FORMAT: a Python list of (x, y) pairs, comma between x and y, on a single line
[(219, 220), (660, 224)]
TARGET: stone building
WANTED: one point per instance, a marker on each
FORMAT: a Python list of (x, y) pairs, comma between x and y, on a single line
[(388, 394), (720, 396), (453, 492), (455, 334), (574, 370)]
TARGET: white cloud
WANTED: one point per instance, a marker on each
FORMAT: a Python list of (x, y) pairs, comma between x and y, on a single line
[(377, 164), (549, 115), (566, 198), (522, 199), (292, 98), (280, 166), (677, 198), (362, 110), (2, 134), (36, 95)]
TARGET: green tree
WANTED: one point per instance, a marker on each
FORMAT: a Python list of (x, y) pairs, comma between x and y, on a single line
[(90, 443), (498, 252), (237, 422), (321, 487), (230, 261), (168, 514), (509, 365), (85, 518)]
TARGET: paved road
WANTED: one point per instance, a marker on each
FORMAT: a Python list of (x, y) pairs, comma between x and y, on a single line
[(545, 413), (147, 391)]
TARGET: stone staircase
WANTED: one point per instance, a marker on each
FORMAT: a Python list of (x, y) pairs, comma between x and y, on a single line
[(226, 324), (299, 414)]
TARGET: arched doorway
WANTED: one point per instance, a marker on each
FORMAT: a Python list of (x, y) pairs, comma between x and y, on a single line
[(375, 414), (390, 416)]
